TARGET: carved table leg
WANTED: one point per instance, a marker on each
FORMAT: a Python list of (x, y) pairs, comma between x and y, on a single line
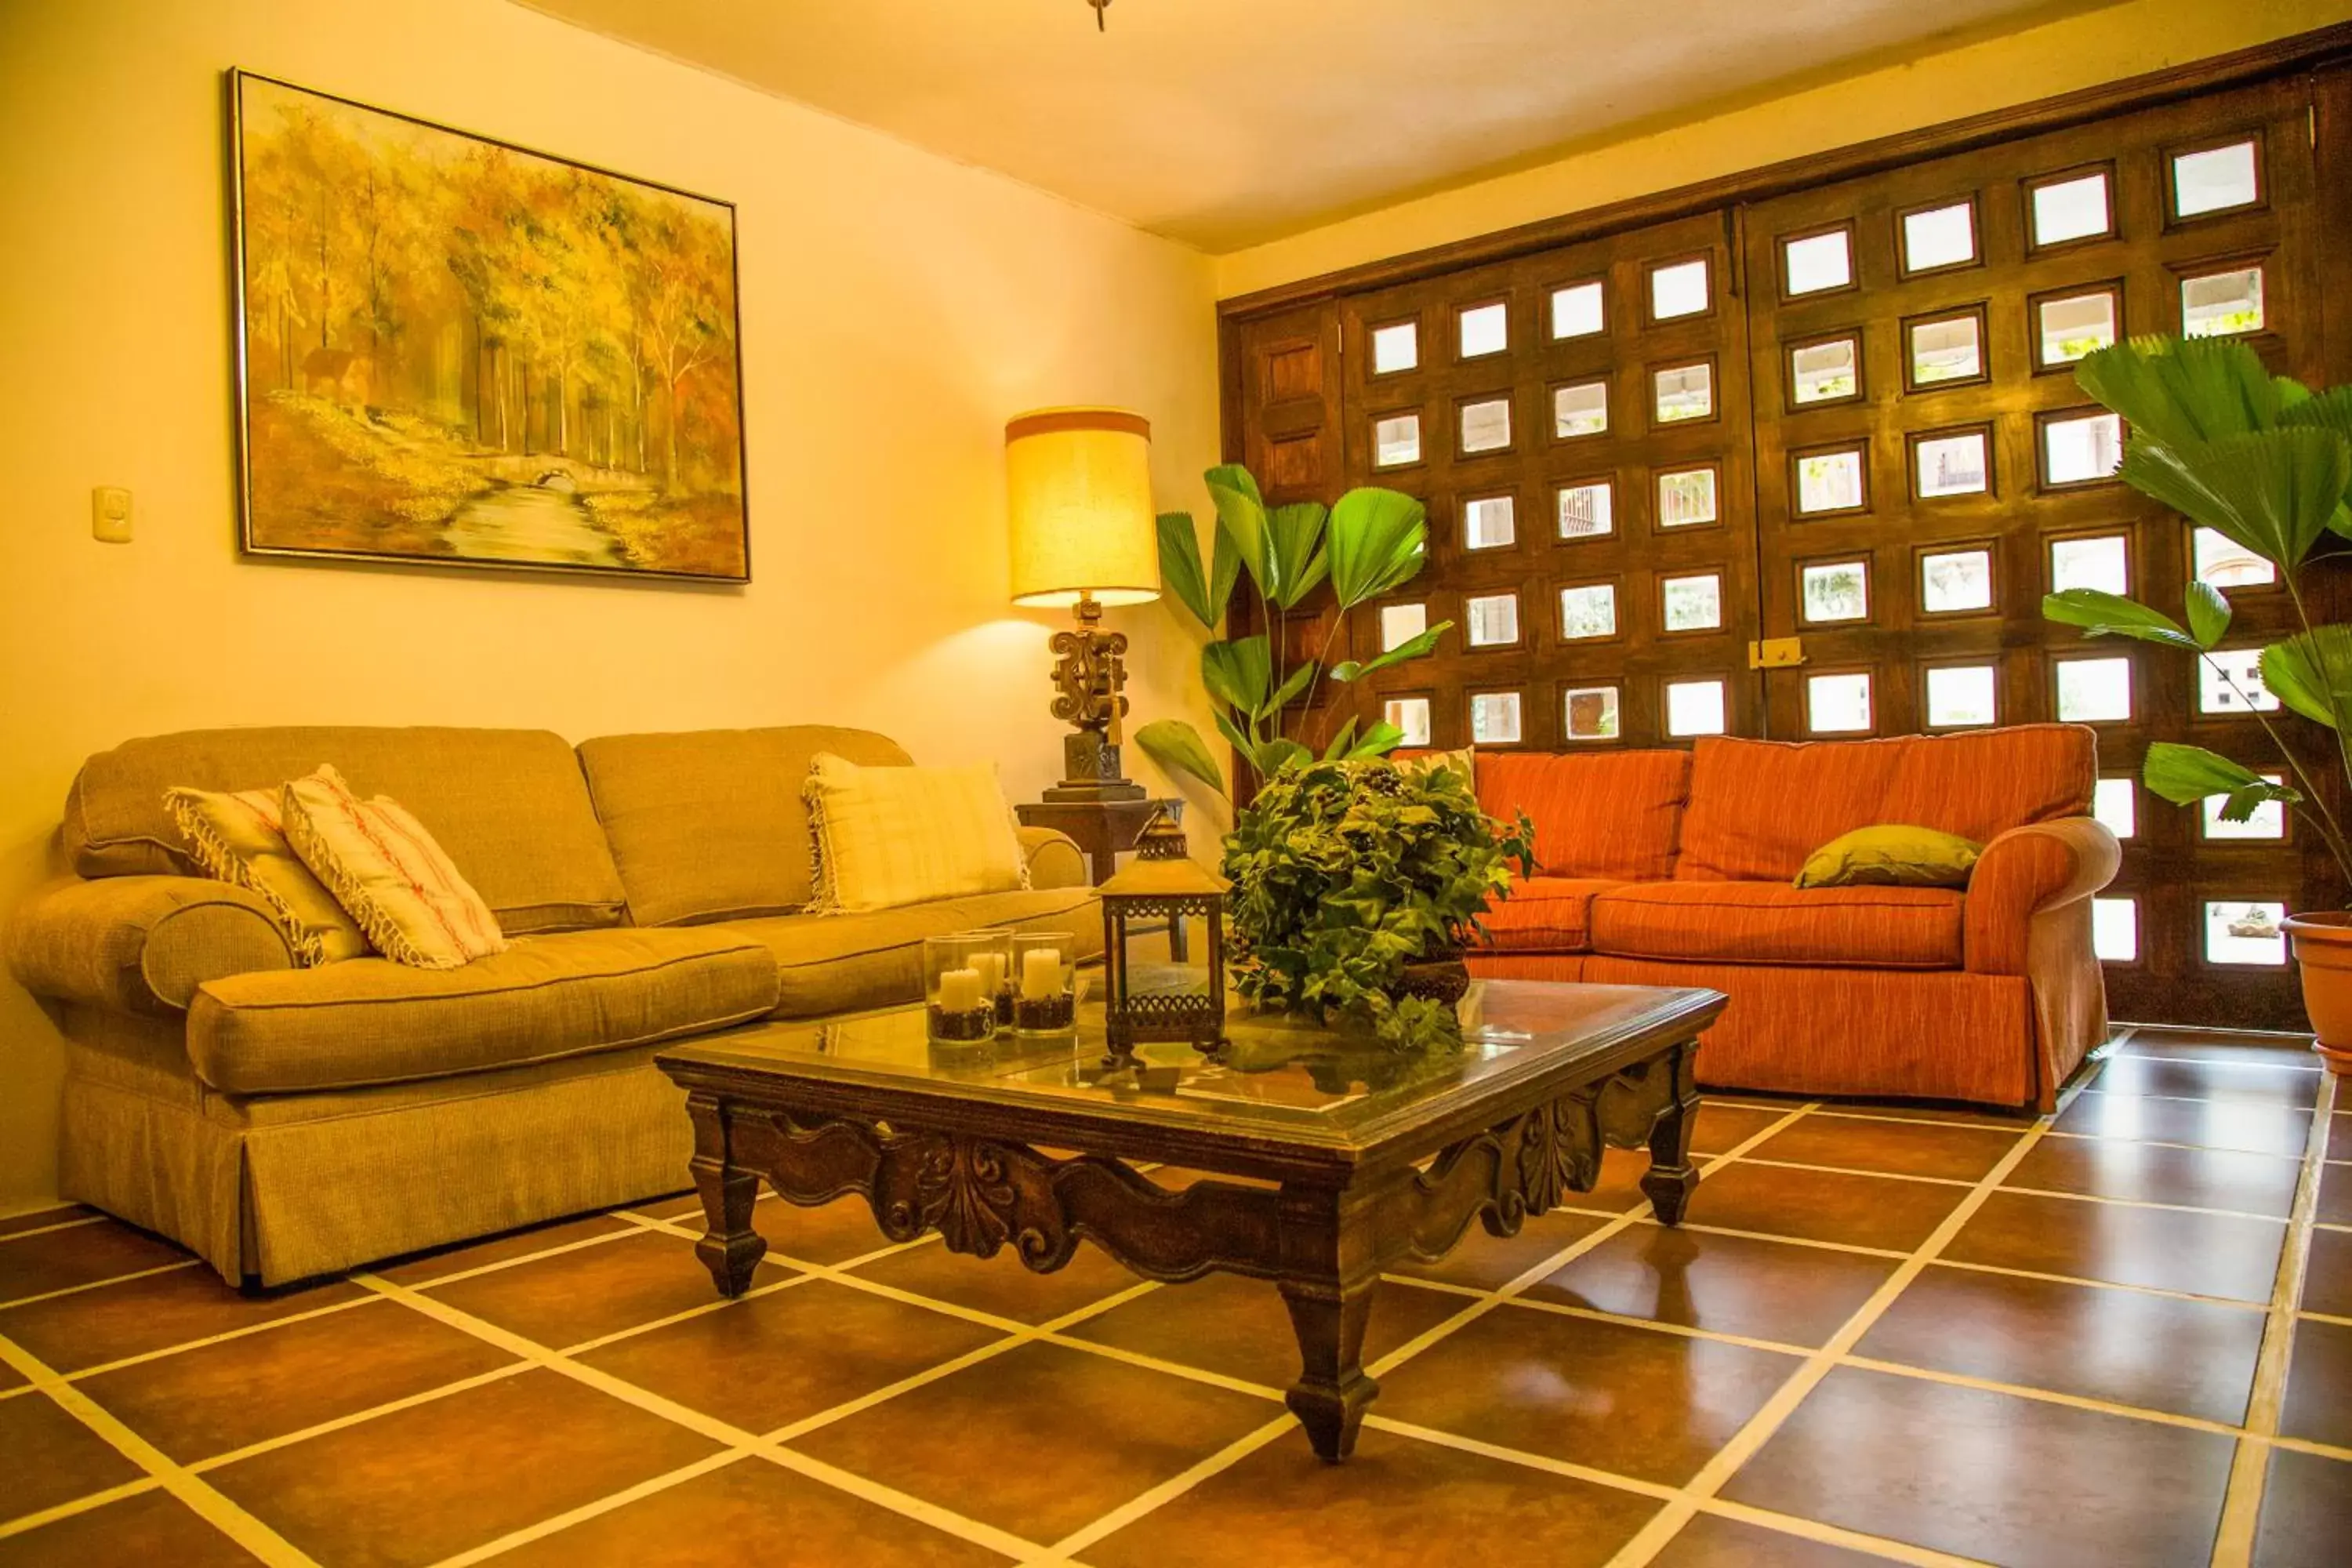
[(730, 1247), (1671, 1178), (1332, 1391)]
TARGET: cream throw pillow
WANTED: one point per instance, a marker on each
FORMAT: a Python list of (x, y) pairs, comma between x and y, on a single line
[(893, 836), (387, 871), (241, 838)]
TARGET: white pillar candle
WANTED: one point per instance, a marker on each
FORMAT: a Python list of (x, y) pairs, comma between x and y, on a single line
[(960, 990), (1041, 973)]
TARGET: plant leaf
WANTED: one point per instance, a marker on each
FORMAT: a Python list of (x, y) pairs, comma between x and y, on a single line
[(1180, 568), (2209, 613), (1279, 753), (2274, 491), (1177, 747), (1379, 540), (1296, 557), (2330, 410), (1239, 673), (2112, 614), (1291, 686), (2312, 673), (2180, 391), (1224, 569), (1414, 646), (1240, 511), (1379, 740), (2185, 774), (1340, 742), (1237, 738), (2239, 804)]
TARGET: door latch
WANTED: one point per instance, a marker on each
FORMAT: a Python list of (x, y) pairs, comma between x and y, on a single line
[(1776, 653)]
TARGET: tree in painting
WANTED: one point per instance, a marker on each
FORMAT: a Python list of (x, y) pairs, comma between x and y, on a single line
[(455, 349)]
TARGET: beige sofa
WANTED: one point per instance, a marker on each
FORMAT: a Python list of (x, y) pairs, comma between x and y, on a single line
[(285, 1123)]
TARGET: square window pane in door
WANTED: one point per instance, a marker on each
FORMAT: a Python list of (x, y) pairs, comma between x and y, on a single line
[(1588, 511), (1591, 714), (1947, 350), (1960, 694), (1823, 372), (1686, 392), (1680, 289), (2103, 564), (1838, 704), (1687, 498), (1409, 714), (2070, 209), (1939, 237), (1494, 620), (2230, 680), (2215, 180), (1577, 311), (1494, 719), (1694, 708), (1829, 481), (2095, 690), (1589, 611), (1953, 581), (2075, 326), (1952, 465), (1817, 262), (2226, 564), (1485, 330), (1400, 624), (1395, 347), (2081, 449), (1693, 603), (2115, 803), (2268, 819), (2222, 304), (2245, 931), (1396, 440), (2115, 931), (1834, 591), (1490, 522), (1486, 425), (1579, 410)]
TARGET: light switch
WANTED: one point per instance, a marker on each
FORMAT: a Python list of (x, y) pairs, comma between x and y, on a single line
[(110, 514)]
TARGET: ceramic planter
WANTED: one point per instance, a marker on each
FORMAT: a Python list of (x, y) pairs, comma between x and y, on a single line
[(2323, 950)]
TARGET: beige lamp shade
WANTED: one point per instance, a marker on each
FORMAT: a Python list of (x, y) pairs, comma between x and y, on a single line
[(1079, 481)]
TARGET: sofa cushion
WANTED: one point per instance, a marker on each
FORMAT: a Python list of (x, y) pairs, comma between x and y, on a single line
[(709, 823), (1596, 814), (889, 838), (508, 805), (1771, 922), (840, 964), (1758, 807), (1544, 914), (374, 1021)]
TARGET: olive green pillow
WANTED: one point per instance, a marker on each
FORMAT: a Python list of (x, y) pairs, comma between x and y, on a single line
[(1893, 856)]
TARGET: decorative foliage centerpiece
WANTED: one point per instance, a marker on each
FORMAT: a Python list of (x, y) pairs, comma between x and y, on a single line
[(1347, 874)]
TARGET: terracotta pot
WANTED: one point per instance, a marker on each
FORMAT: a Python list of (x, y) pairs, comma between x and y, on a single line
[(2322, 950)]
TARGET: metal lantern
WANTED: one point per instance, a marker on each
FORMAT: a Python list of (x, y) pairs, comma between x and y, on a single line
[(1169, 1002)]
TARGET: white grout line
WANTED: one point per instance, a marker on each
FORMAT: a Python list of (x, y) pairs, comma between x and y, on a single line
[(52, 1229), (2242, 1507), (101, 1284), (83, 1504)]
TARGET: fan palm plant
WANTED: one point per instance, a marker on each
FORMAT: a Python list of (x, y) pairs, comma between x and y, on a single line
[(1370, 543)]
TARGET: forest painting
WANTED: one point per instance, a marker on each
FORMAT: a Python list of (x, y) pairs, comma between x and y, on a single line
[(455, 351)]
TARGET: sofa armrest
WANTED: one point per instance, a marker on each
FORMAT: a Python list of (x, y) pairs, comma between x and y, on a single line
[(2029, 871), (141, 944), (1054, 859)]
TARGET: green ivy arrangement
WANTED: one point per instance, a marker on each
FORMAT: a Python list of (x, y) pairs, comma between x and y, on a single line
[(1344, 871)]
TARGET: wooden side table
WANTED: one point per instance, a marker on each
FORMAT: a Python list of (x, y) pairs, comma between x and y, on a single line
[(1104, 830)]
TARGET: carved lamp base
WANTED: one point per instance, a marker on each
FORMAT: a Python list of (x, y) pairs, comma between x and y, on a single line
[(1089, 679)]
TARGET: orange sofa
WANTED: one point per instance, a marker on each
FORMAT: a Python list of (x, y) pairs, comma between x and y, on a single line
[(1669, 867)]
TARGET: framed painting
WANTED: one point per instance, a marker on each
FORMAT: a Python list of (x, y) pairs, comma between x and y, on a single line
[(455, 351)]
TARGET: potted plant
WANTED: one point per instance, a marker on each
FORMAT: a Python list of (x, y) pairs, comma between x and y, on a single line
[(2266, 463), (1357, 883), (1371, 542)]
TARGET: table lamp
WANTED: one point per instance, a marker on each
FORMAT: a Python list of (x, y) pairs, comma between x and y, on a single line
[(1079, 484)]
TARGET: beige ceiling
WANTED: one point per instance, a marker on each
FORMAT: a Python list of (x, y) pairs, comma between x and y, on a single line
[(1223, 123)]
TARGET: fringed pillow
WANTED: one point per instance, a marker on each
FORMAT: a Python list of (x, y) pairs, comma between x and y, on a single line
[(385, 869), (892, 835), (240, 839)]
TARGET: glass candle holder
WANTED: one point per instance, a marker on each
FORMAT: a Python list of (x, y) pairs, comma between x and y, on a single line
[(1045, 982), (992, 954), (961, 1009)]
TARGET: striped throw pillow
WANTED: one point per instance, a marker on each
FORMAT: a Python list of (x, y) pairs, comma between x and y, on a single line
[(893, 836), (389, 874), (241, 838)]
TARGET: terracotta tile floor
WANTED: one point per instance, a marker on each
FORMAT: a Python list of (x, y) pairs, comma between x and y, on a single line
[(2122, 1335)]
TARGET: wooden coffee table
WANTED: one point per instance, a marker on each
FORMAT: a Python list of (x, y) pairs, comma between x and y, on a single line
[(1360, 1159)]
